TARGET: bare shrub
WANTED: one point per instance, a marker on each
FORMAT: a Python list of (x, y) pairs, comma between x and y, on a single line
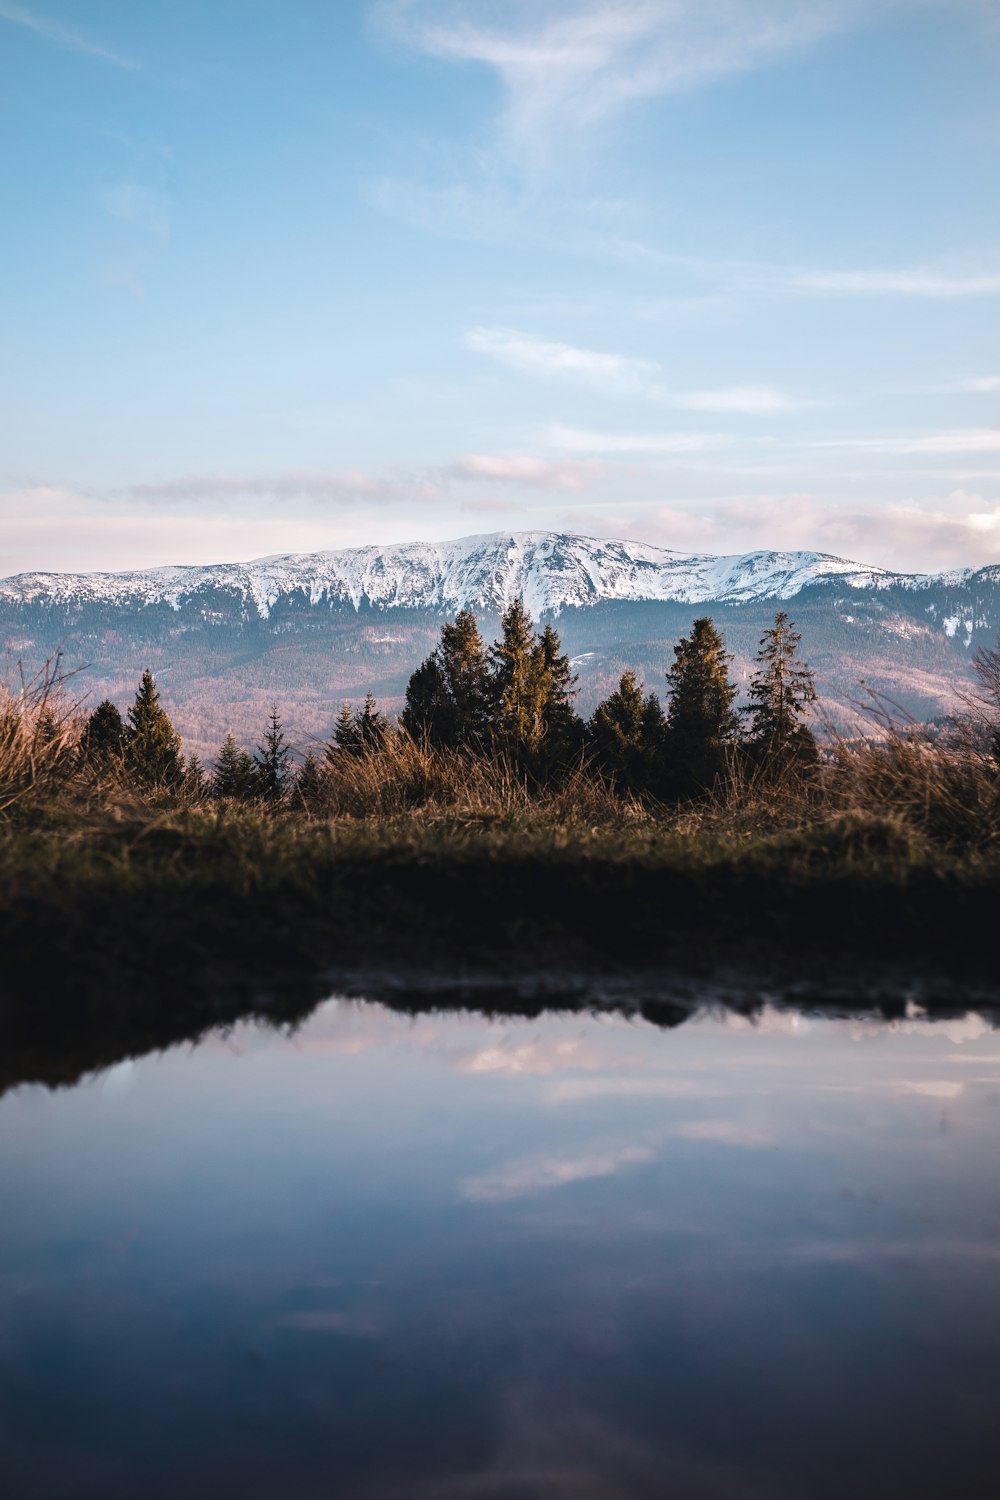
[(39, 733)]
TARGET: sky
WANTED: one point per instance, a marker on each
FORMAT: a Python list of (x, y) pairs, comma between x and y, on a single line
[(712, 274)]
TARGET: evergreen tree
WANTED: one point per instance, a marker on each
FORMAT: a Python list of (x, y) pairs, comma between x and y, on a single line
[(780, 692), (561, 728), (986, 664), (152, 745), (345, 735), (428, 713), (371, 726), (272, 771), (625, 734), (193, 783), (309, 783), (448, 696), (518, 682), (103, 742), (234, 772), (466, 672), (700, 722)]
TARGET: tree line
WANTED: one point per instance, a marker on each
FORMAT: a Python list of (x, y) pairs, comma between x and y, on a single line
[(516, 698)]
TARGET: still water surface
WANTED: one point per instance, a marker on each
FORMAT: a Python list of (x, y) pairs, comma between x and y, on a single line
[(448, 1256)]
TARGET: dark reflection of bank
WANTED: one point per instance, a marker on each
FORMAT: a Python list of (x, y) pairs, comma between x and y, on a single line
[(55, 1039)]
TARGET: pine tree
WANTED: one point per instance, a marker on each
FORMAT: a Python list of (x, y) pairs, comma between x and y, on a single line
[(700, 723), (448, 696), (371, 726), (780, 692), (193, 783), (625, 734), (234, 772), (345, 735), (517, 682), (428, 713), (103, 741), (466, 672), (272, 771), (561, 728), (152, 745), (309, 783)]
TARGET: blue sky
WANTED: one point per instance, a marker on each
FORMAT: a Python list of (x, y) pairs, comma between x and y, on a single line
[(716, 274)]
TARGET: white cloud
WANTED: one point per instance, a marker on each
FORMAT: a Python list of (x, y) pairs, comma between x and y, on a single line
[(725, 1133), (897, 282), (564, 65), (584, 440), (977, 385), (527, 471), (538, 1173), (951, 440), (532, 356), (750, 399), (336, 486), (61, 36)]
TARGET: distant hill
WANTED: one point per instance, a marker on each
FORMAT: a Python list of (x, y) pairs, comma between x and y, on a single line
[(309, 630)]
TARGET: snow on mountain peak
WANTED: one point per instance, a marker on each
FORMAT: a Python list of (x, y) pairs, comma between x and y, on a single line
[(548, 570)]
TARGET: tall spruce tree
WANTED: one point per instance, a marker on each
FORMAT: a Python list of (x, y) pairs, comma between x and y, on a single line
[(986, 664), (272, 761), (152, 745), (625, 735), (518, 686), (700, 722), (233, 775), (428, 713), (448, 696), (780, 692), (562, 731), (467, 678)]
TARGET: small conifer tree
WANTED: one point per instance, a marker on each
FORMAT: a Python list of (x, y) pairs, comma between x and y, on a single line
[(309, 783), (234, 772), (272, 769), (102, 744), (193, 782), (371, 726), (780, 692), (345, 735), (625, 734), (986, 664), (152, 745), (700, 723)]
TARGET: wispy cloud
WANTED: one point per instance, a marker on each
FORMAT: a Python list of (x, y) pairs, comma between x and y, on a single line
[(619, 374), (975, 385), (533, 356), (564, 65), (144, 207), (537, 1174), (900, 282), (951, 440), (60, 35), (529, 472), (334, 486), (585, 440), (751, 400)]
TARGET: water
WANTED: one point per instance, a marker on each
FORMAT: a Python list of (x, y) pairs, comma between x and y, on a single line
[(444, 1256)]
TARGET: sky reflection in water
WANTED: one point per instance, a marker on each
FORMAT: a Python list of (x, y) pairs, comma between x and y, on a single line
[(449, 1257)]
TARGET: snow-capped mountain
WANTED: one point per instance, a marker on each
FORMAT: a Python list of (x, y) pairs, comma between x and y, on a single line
[(548, 570), (307, 631)]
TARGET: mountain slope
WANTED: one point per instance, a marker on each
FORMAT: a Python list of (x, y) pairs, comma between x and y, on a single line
[(307, 631)]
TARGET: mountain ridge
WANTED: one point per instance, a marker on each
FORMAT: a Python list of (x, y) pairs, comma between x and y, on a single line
[(549, 570)]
